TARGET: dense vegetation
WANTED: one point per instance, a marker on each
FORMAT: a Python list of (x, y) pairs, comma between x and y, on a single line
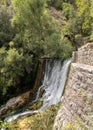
[(29, 32)]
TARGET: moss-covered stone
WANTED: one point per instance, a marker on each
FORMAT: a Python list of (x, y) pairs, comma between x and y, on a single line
[(40, 121), (36, 105)]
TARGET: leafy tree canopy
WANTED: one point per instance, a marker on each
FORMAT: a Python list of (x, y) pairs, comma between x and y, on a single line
[(28, 32)]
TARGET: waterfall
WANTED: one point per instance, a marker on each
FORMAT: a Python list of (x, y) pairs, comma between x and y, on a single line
[(53, 83)]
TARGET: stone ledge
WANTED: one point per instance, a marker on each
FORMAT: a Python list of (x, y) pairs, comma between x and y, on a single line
[(83, 67), (87, 46)]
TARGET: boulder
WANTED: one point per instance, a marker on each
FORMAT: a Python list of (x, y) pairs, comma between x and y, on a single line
[(14, 103)]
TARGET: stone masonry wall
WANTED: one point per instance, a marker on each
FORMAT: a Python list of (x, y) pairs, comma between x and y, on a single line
[(76, 111), (85, 54)]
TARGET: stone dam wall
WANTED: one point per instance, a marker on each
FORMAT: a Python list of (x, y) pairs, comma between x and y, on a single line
[(76, 111)]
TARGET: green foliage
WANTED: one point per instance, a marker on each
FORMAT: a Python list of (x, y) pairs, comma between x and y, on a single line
[(29, 32), (91, 14), (78, 17), (57, 4), (3, 124), (68, 10), (35, 31), (11, 68), (6, 31), (40, 121)]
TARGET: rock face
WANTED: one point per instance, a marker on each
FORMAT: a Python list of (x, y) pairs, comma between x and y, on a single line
[(76, 111), (14, 103)]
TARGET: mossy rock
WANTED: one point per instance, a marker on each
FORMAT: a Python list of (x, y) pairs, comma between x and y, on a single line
[(40, 121), (36, 105)]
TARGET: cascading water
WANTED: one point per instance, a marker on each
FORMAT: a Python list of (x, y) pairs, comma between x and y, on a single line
[(53, 83)]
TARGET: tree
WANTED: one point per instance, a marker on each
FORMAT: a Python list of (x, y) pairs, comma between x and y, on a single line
[(11, 68), (6, 30), (33, 26), (78, 17), (37, 34), (91, 14)]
